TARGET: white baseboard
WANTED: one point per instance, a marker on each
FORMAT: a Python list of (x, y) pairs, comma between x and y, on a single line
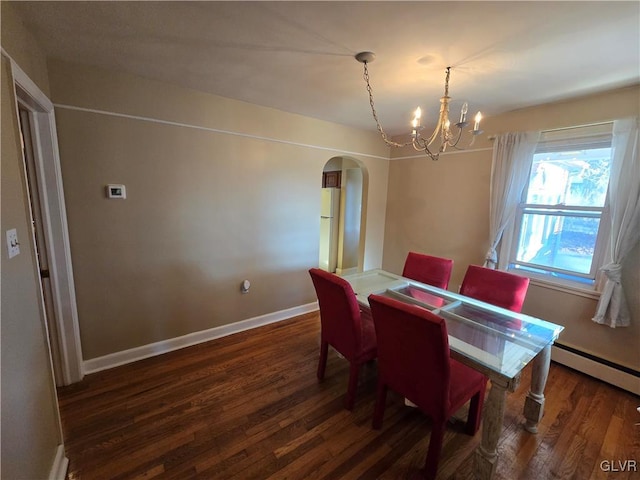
[(132, 355), (608, 374), (60, 464)]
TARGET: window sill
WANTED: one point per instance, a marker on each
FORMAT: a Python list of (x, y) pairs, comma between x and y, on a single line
[(566, 287)]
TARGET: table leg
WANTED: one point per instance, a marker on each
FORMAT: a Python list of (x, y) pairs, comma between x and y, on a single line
[(486, 456), (534, 403)]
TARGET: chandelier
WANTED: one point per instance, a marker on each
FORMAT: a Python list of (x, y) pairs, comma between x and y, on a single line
[(448, 136)]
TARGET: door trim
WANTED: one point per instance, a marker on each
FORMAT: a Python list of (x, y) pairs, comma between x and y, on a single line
[(49, 176)]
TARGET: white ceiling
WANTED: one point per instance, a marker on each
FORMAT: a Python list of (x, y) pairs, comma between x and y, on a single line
[(299, 56)]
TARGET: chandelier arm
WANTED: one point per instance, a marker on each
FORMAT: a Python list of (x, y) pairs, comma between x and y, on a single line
[(470, 144), (420, 145), (443, 115), (435, 133), (455, 144), (390, 143)]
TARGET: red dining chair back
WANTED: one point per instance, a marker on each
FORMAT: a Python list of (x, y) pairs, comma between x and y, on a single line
[(427, 269), (343, 327), (496, 287), (414, 361)]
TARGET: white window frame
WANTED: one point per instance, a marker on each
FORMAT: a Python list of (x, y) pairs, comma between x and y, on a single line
[(592, 136)]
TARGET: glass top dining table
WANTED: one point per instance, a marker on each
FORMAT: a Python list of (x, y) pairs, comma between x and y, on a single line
[(499, 341), (495, 341)]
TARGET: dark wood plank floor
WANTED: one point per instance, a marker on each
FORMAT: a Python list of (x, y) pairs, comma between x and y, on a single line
[(249, 406)]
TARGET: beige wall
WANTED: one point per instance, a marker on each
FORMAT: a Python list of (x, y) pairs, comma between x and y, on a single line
[(23, 47), (205, 208), (30, 424), (442, 208)]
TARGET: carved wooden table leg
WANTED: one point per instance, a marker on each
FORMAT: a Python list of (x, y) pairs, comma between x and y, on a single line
[(486, 456), (534, 403)]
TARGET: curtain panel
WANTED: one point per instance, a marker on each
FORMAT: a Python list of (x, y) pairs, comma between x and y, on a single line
[(512, 158), (624, 205)]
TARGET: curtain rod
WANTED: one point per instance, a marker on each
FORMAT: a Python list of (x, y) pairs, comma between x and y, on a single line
[(595, 124)]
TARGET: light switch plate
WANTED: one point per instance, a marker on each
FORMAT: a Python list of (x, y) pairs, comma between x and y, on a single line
[(12, 243)]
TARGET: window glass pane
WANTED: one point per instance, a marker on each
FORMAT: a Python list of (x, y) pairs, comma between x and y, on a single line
[(557, 241), (577, 177)]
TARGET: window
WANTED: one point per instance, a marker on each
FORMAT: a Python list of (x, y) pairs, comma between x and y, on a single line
[(558, 233)]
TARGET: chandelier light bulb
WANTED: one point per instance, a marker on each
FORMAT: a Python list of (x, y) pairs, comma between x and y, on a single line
[(463, 112), (418, 113), (476, 125)]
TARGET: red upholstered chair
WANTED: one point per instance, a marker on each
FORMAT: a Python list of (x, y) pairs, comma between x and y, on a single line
[(496, 287), (342, 327), (413, 360), (434, 271)]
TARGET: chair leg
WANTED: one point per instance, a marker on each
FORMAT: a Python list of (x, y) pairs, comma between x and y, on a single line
[(322, 362), (475, 413), (381, 401), (435, 448), (354, 370)]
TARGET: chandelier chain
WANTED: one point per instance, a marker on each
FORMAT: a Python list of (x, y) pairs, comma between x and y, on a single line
[(390, 143)]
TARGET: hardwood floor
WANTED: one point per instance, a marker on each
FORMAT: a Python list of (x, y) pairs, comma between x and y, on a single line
[(249, 406)]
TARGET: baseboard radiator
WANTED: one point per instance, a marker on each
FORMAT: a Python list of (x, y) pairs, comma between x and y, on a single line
[(623, 377)]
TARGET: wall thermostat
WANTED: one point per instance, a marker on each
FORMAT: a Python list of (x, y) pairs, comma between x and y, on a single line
[(116, 191)]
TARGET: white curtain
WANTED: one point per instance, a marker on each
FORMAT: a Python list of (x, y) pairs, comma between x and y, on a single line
[(512, 158), (624, 205)]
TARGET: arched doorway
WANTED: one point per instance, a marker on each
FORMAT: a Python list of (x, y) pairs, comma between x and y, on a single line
[(344, 185)]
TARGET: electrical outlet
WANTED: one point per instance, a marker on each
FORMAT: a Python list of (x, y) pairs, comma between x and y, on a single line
[(12, 243)]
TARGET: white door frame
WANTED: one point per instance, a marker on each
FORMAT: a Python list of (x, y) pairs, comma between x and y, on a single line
[(49, 177)]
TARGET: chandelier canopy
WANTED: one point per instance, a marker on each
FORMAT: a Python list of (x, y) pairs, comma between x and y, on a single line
[(448, 136)]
